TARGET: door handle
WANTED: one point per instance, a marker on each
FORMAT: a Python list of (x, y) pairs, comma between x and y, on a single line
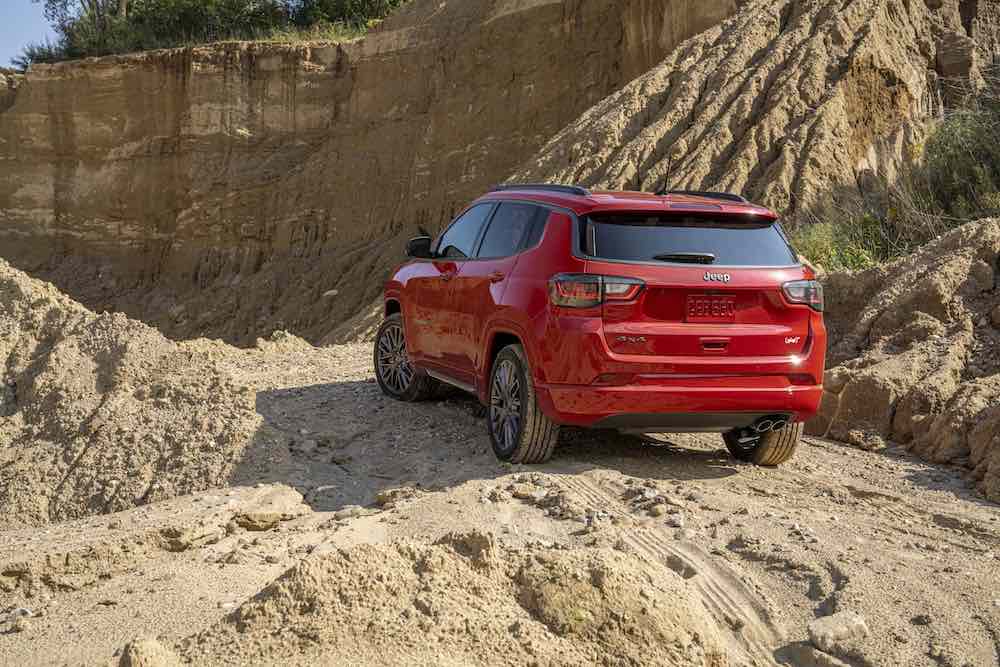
[(496, 277)]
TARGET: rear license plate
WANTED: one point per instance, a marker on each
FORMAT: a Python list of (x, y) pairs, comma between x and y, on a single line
[(706, 308)]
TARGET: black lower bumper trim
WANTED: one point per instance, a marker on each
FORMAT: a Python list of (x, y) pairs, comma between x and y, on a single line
[(699, 422)]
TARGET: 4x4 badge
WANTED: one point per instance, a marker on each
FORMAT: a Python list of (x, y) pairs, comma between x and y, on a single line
[(717, 277)]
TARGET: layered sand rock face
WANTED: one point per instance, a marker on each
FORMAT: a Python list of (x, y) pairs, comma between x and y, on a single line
[(224, 190), (915, 354), (790, 103)]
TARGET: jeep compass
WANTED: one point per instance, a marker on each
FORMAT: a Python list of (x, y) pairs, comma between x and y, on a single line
[(554, 305)]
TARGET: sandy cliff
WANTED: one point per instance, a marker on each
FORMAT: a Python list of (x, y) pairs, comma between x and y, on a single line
[(792, 103), (224, 190)]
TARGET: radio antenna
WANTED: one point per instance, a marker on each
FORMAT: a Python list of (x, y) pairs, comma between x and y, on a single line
[(666, 179)]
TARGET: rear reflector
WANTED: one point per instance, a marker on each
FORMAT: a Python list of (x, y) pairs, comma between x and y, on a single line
[(584, 290)]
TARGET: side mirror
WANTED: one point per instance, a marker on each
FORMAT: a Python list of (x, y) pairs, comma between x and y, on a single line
[(419, 248)]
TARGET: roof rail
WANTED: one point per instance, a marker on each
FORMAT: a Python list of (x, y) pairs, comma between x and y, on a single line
[(545, 187), (725, 196)]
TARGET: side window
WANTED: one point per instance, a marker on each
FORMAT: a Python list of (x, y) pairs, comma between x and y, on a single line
[(508, 229), (537, 229), (460, 240)]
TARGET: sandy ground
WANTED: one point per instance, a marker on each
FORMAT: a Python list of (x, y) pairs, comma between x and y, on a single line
[(902, 542)]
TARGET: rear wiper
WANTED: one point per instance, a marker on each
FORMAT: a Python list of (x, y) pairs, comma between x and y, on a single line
[(688, 257)]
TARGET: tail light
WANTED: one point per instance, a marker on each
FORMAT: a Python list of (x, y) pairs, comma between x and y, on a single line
[(809, 292), (584, 290)]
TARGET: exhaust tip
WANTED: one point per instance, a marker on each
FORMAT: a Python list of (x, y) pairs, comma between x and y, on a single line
[(769, 423)]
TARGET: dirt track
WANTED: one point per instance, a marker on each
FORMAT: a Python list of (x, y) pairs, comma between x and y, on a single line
[(763, 551)]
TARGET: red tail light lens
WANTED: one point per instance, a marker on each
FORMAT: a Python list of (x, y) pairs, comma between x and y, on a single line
[(809, 292), (584, 290)]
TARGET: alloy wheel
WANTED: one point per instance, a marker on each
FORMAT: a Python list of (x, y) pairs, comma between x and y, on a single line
[(394, 367), (505, 404)]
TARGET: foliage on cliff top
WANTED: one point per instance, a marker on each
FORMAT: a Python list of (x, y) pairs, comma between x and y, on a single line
[(87, 28)]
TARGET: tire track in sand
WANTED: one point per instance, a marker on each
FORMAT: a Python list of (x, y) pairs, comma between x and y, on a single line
[(736, 608)]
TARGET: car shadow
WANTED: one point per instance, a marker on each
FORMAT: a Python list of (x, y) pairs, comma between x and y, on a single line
[(343, 443)]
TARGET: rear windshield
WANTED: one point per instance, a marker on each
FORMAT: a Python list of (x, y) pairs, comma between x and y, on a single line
[(642, 237)]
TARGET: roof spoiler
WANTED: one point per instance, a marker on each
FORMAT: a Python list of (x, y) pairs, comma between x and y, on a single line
[(724, 196)]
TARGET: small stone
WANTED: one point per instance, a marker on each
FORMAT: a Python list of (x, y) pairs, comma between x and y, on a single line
[(995, 316), (675, 521), (921, 619), (348, 512), (523, 491), (658, 509), (830, 632)]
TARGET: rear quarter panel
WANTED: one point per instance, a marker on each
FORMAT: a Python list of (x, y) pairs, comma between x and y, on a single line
[(524, 309)]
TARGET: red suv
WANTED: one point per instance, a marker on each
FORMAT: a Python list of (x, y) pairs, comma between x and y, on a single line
[(681, 312)]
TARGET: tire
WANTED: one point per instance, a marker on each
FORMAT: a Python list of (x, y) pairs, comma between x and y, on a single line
[(771, 449), (519, 430), (395, 376)]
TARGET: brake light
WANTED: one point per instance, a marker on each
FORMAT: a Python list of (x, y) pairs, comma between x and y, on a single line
[(809, 292), (584, 290)]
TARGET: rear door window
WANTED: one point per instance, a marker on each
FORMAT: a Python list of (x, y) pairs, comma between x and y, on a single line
[(508, 230), (641, 237), (459, 242)]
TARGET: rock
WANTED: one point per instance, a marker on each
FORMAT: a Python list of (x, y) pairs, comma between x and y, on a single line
[(148, 653), (20, 619), (921, 619), (276, 504), (522, 491), (349, 512), (659, 509), (995, 316), (830, 634), (389, 498), (258, 521), (675, 520)]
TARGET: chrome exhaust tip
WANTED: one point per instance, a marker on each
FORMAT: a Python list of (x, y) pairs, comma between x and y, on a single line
[(778, 425), (763, 426)]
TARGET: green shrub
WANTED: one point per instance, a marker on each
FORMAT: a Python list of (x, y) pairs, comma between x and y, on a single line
[(100, 27), (954, 178)]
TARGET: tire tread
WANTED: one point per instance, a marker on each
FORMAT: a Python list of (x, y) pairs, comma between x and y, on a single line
[(774, 448), (539, 434)]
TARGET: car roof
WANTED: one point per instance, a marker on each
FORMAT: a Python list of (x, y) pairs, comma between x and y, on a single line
[(584, 202)]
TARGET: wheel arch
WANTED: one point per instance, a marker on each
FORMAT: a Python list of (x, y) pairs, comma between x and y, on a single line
[(499, 337)]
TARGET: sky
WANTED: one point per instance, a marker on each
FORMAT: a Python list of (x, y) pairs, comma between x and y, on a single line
[(21, 21)]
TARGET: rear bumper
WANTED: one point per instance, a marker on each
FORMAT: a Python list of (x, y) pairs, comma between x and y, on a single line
[(682, 405)]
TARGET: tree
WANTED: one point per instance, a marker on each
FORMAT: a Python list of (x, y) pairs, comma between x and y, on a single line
[(100, 27), (87, 21)]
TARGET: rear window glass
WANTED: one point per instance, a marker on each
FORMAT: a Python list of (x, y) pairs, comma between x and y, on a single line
[(641, 237)]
